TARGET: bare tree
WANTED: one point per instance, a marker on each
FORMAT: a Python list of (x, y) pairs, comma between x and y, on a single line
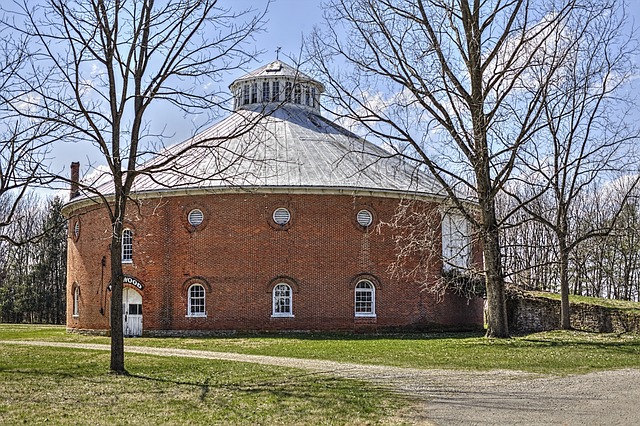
[(454, 86), (588, 139), (101, 68), (23, 144)]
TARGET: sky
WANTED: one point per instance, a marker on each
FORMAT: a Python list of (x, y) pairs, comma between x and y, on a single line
[(288, 23)]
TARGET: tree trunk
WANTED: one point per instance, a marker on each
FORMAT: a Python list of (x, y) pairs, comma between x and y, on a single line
[(565, 315), (117, 338), (497, 322), (496, 304)]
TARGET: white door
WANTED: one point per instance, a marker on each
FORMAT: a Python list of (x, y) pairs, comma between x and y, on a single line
[(131, 312)]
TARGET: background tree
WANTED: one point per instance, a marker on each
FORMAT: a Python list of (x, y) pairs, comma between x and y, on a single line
[(33, 274), (587, 139), (457, 87), (23, 145), (100, 68)]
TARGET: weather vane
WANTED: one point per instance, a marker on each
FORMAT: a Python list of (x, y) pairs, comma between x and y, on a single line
[(278, 53)]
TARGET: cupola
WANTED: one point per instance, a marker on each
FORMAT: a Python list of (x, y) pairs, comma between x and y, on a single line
[(276, 83)]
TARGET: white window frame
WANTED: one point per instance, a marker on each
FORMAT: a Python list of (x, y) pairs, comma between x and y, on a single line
[(370, 289), (281, 216), (76, 302), (194, 213), (456, 242), (127, 246), (276, 297), (190, 299), (254, 92), (288, 91), (245, 94), (364, 214)]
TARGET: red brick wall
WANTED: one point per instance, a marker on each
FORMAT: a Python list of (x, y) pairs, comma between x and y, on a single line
[(239, 252)]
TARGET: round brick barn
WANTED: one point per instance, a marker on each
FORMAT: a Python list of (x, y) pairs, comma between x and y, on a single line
[(271, 226)]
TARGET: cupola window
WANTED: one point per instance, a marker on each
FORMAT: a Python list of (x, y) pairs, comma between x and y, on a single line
[(266, 96), (254, 93), (297, 94), (245, 94), (276, 91), (287, 91)]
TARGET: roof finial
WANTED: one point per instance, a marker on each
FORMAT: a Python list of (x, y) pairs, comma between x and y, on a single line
[(278, 53)]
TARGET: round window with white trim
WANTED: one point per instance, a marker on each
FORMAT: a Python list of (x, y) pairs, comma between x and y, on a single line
[(364, 218), (195, 217), (281, 216)]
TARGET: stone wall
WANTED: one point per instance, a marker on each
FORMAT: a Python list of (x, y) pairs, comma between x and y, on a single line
[(532, 314)]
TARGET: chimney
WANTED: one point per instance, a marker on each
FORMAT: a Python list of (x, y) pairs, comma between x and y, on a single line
[(75, 178)]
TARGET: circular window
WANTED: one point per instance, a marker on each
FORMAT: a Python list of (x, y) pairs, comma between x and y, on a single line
[(364, 218), (195, 217), (281, 216)]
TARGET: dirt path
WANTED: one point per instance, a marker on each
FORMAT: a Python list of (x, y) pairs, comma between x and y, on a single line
[(450, 397)]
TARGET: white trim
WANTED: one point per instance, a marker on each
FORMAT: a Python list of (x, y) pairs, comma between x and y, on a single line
[(275, 314), (129, 258), (364, 218), (204, 302), (195, 214), (78, 203), (371, 289), (281, 216)]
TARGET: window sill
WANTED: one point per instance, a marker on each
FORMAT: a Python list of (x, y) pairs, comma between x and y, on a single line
[(127, 261), (365, 315), (282, 316), (196, 316), (76, 316)]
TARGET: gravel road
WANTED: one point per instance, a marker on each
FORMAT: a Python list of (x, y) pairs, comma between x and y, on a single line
[(451, 397)]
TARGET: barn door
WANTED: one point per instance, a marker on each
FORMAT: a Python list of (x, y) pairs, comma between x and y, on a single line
[(131, 312)]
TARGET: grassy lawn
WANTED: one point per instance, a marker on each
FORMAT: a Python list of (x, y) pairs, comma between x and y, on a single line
[(623, 305), (558, 352), (63, 386)]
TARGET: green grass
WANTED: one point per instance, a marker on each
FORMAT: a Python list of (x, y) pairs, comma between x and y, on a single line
[(64, 386), (558, 352), (623, 305)]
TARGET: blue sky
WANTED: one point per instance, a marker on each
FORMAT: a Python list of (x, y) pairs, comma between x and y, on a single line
[(289, 22)]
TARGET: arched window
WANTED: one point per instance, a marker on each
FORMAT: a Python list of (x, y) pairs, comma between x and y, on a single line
[(196, 302), (127, 246), (365, 302), (282, 301), (76, 301)]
